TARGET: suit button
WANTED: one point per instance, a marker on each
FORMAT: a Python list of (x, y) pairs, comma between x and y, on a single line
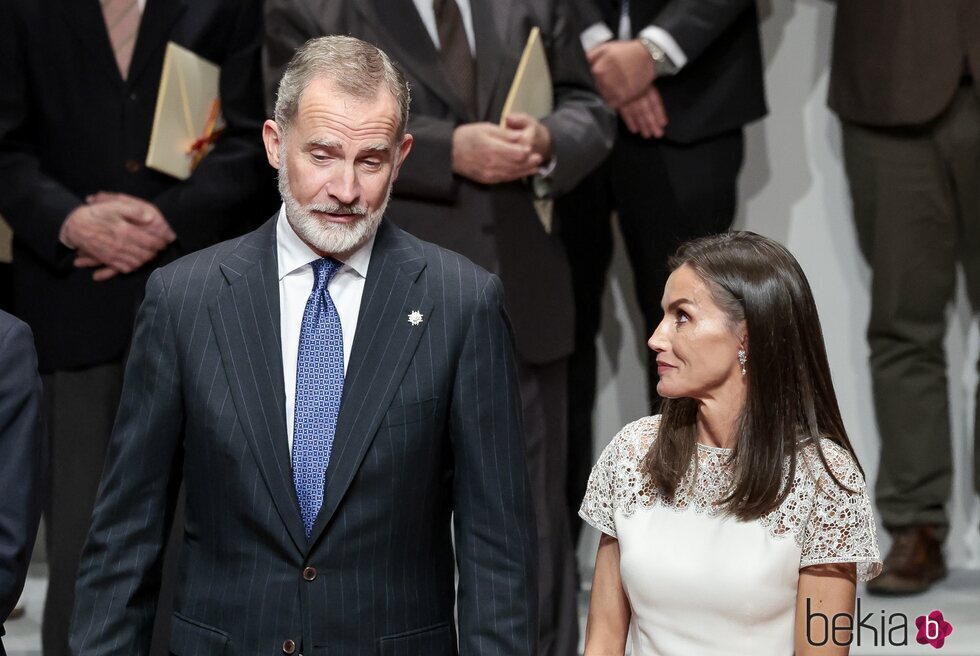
[(309, 573), (288, 647), (132, 165)]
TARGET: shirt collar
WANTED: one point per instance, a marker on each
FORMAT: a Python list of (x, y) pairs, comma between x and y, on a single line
[(294, 253)]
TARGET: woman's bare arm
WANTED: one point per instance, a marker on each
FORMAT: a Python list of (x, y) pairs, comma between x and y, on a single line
[(609, 609), (825, 592)]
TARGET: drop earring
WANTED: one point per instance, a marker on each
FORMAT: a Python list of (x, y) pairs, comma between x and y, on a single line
[(742, 359)]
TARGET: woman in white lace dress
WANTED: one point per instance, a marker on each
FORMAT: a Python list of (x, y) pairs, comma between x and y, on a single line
[(737, 521)]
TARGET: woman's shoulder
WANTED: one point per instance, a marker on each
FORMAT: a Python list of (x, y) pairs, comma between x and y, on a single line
[(634, 440), (837, 463), (618, 481)]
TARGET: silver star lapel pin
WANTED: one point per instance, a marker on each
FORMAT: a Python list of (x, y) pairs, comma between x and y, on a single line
[(415, 318)]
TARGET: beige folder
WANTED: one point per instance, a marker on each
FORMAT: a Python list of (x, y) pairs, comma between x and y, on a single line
[(531, 92), (187, 115)]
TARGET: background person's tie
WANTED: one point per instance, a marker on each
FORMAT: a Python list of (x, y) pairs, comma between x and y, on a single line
[(319, 388), (454, 53), (122, 20)]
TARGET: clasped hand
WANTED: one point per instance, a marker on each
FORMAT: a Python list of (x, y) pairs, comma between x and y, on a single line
[(490, 154), (116, 233), (624, 74)]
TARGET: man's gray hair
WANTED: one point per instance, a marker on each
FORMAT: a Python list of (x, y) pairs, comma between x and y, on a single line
[(354, 66)]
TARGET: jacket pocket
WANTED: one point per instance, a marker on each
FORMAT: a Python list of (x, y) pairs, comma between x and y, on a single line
[(191, 638), (436, 640), (410, 413)]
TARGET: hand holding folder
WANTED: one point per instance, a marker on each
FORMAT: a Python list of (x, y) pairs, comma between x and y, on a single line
[(188, 113), (531, 92)]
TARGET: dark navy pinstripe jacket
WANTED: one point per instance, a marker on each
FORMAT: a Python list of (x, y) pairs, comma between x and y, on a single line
[(429, 432)]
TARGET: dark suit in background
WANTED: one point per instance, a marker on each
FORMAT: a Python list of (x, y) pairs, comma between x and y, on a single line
[(493, 225), (663, 191), (71, 126), (429, 426), (904, 84), (22, 459)]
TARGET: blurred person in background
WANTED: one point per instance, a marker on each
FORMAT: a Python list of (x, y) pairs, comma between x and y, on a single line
[(685, 77), (78, 90), (903, 82)]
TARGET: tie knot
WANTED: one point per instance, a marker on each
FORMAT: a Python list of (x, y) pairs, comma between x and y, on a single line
[(323, 270)]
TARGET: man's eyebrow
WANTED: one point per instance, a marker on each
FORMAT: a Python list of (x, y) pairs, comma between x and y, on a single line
[(333, 144), (329, 144)]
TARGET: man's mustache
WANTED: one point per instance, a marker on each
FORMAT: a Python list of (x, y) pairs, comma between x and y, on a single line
[(337, 208)]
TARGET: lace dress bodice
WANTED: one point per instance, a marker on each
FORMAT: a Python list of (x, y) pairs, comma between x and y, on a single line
[(687, 565)]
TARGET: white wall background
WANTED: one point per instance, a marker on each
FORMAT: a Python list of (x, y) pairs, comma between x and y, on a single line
[(793, 189)]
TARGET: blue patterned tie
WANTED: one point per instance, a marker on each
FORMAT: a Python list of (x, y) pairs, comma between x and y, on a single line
[(319, 387)]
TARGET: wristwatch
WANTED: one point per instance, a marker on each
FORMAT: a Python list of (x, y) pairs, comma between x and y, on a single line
[(662, 63)]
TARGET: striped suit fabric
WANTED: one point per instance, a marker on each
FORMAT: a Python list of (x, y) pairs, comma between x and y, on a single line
[(427, 472)]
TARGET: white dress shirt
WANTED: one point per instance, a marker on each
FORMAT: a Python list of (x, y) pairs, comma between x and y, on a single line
[(295, 285), (600, 33), (428, 14)]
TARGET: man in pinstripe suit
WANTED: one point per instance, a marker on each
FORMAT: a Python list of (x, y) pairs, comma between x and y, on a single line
[(23, 457), (217, 395)]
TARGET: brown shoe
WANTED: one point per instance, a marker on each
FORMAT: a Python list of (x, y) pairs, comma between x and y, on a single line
[(913, 564)]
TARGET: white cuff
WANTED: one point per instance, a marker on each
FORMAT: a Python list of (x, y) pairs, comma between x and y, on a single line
[(547, 169), (540, 182), (662, 38), (596, 34)]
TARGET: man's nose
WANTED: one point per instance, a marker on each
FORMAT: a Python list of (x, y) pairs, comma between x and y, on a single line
[(346, 188)]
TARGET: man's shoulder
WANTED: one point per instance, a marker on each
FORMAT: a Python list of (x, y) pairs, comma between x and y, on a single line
[(10, 325), (233, 255), (445, 267)]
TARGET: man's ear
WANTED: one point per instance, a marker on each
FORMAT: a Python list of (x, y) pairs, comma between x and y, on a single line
[(404, 148), (272, 139)]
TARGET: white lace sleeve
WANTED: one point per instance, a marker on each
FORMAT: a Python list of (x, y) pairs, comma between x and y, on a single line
[(841, 527), (616, 473)]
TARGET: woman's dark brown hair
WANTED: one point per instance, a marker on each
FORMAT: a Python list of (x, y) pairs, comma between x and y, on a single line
[(790, 397)]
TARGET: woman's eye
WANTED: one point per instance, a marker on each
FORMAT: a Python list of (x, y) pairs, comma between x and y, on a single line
[(681, 317)]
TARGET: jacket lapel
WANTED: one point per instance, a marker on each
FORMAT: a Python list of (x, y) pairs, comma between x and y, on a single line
[(155, 28), (245, 317), (409, 44), (84, 17), (494, 37), (384, 345)]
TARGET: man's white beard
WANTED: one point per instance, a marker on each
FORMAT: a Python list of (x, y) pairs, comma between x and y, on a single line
[(326, 236)]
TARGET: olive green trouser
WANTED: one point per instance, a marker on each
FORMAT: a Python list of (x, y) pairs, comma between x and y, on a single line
[(916, 196)]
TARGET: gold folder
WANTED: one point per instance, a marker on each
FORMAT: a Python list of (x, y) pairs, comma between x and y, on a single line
[(188, 113)]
